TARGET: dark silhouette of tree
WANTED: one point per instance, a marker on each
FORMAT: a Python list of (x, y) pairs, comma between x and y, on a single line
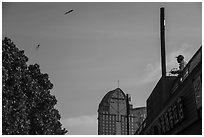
[(27, 105)]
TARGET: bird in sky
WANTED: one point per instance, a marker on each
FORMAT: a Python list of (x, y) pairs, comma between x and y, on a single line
[(68, 12), (37, 46)]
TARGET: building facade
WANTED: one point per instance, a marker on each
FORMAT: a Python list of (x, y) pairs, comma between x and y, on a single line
[(175, 105), (112, 114)]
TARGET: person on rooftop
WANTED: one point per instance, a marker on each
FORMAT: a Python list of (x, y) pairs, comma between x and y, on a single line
[(182, 64)]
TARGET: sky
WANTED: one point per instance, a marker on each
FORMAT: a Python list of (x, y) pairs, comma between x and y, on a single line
[(87, 51)]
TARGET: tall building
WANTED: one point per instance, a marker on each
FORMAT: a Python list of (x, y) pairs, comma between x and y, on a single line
[(112, 114)]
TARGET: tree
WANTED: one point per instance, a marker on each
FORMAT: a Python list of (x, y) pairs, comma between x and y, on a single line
[(27, 105)]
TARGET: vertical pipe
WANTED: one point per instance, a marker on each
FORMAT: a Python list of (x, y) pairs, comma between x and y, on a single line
[(162, 33), (128, 113)]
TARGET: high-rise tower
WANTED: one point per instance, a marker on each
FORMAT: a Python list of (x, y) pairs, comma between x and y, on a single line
[(112, 115)]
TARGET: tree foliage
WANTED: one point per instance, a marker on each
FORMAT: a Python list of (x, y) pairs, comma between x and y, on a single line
[(27, 105)]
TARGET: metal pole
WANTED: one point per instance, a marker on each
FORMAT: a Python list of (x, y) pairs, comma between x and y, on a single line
[(162, 33), (128, 113)]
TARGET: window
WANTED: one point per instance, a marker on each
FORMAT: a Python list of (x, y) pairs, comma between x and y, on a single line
[(162, 124), (198, 91), (180, 109), (175, 116), (159, 128), (166, 121)]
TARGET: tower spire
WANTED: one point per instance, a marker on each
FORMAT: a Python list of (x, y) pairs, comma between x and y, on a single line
[(118, 83)]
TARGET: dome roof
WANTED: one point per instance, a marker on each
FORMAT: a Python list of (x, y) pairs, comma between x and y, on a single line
[(105, 102)]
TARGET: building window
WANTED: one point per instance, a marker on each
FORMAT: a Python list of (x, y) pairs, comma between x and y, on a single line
[(162, 124), (171, 123), (166, 121), (180, 109), (175, 116), (198, 91)]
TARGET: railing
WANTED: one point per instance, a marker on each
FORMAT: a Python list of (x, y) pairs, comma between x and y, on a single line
[(180, 78)]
